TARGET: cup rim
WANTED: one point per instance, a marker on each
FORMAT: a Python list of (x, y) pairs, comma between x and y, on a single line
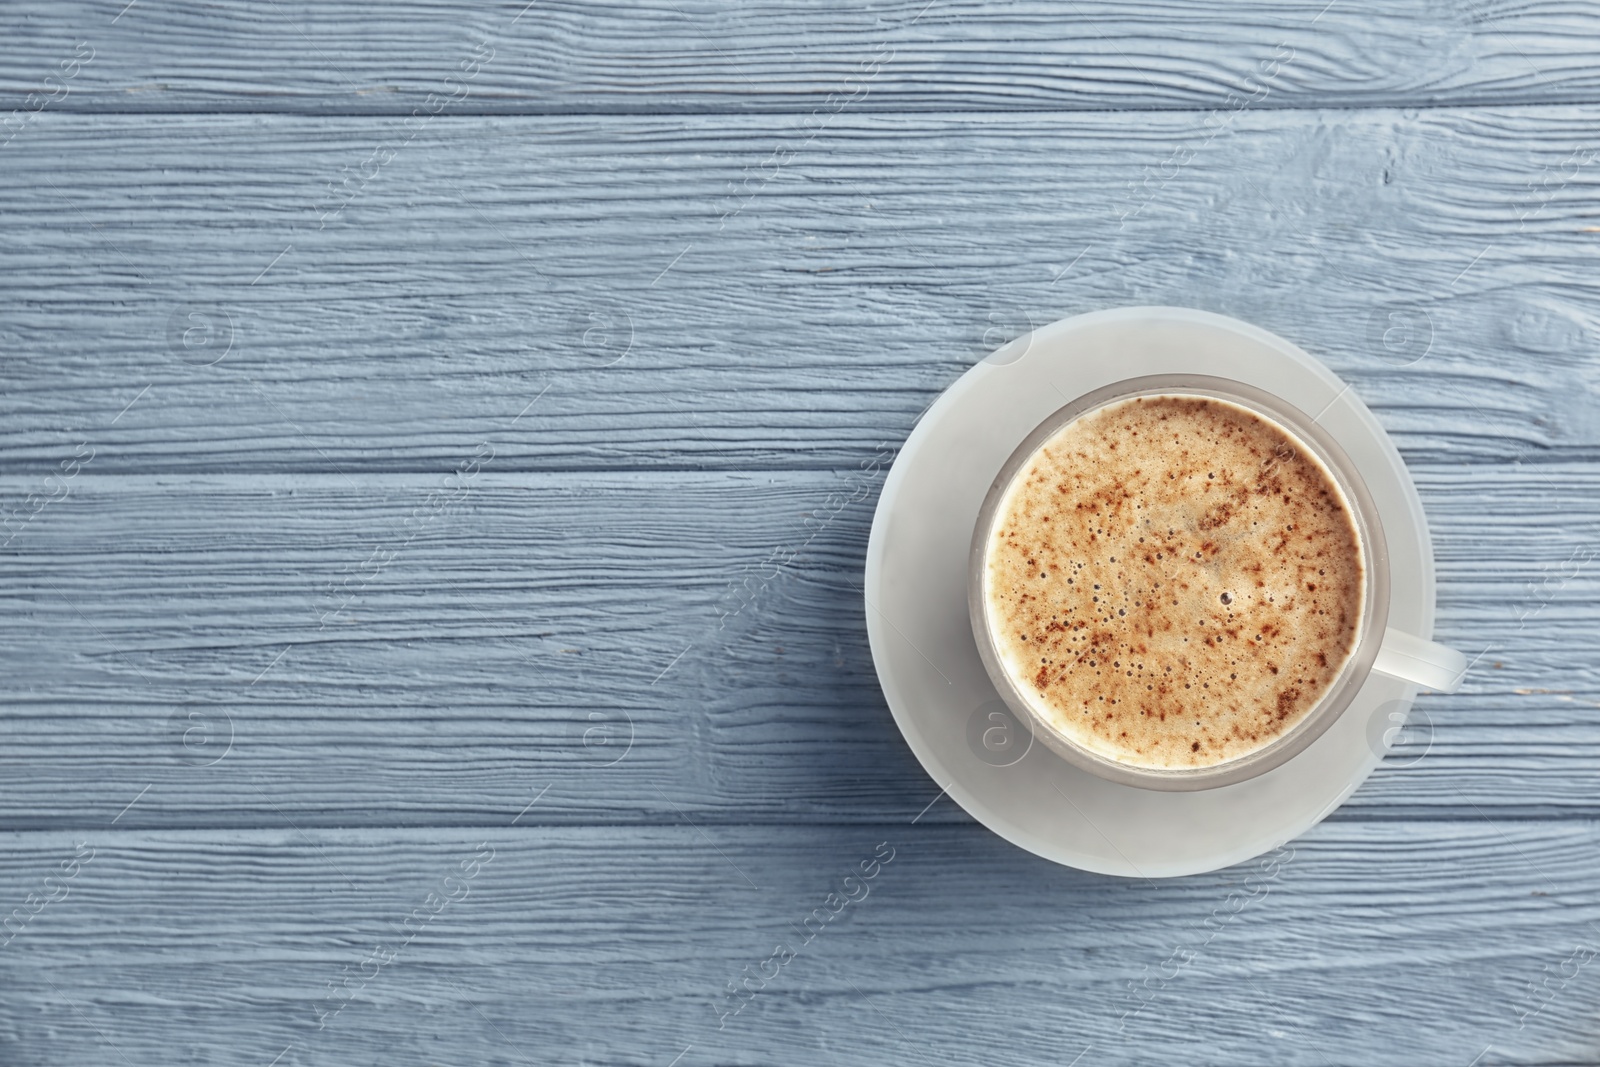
[(1302, 428)]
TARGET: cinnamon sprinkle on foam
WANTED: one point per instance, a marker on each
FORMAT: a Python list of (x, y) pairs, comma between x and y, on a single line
[(1174, 581)]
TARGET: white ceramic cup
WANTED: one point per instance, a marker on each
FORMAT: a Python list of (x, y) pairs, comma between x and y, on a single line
[(1378, 648)]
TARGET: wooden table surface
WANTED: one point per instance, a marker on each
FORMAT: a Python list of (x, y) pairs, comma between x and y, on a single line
[(430, 632)]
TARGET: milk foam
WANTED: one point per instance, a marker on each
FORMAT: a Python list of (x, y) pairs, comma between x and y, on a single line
[(1174, 581)]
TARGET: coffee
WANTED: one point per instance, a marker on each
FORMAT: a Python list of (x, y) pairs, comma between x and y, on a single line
[(1173, 581)]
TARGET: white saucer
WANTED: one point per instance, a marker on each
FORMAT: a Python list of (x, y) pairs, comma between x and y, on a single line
[(927, 661)]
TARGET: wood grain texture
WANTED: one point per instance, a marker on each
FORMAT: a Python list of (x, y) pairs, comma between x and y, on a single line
[(667, 56), (492, 258), (373, 667), (1372, 944), (372, 488)]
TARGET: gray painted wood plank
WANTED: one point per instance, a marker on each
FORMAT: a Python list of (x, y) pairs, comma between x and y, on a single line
[(1375, 944), (1439, 260), (666, 56), (377, 662)]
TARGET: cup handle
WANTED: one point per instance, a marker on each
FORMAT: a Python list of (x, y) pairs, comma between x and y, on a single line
[(1411, 659)]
